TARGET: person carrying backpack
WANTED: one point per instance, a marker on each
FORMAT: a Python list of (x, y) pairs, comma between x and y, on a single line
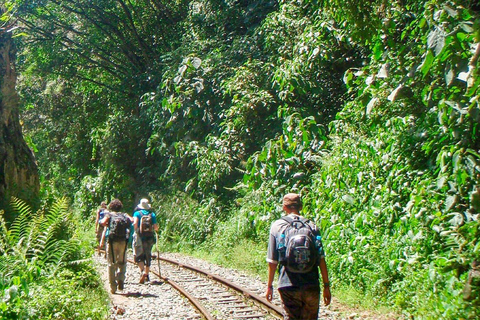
[(295, 244), (118, 233), (145, 226), (98, 227)]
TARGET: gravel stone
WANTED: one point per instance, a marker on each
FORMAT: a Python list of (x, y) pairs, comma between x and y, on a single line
[(158, 300)]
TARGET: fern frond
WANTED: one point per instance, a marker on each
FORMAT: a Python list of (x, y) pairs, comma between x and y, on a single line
[(45, 229), (20, 226), (36, 240), (33, 241), (4, 239), (61, 255), (58, 209)]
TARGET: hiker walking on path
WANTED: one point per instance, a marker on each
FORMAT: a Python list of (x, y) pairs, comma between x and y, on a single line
[(98, 227), (117, 234), (145, 226), (296, 245)]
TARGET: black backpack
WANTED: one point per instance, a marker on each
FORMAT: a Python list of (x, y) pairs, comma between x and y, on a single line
[(146, 224), (299, 246), (119, 227)]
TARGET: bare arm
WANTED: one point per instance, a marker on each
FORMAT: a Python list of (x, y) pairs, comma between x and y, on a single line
[(135, 224), (97, 220), (105, 220), (272, 267)]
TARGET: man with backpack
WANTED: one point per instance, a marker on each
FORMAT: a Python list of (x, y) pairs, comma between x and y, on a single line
[(145, 226), (295, 244), (118, 233)]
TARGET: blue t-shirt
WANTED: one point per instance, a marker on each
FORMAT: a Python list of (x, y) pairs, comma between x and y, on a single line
[(140, 213), (101, 214)]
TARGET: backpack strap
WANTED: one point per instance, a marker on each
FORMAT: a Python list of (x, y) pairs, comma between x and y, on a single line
[(287, 219), (292, 220), (142, 212)]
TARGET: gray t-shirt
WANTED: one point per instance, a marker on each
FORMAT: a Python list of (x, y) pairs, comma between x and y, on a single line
[(286, 278)]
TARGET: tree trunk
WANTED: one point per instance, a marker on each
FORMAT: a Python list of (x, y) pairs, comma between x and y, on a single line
[(18, 169)]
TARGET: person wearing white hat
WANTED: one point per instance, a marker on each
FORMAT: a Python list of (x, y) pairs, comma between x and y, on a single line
[(145, 226)]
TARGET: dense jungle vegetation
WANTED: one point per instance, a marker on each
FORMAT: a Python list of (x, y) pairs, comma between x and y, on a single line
[(215, 109)]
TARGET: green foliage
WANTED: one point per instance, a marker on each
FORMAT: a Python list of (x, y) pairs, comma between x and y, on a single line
[(179, 226), (397, 185), (76, 124), (36, 239), (69, 295), (290, 157), (396, 192), (370, 110), (43, 269)]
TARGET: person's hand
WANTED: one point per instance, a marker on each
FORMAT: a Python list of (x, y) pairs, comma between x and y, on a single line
[(269, 293), (327, 296)]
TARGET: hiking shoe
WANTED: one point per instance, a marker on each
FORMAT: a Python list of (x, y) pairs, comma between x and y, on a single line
[(143, 278), (147, 278), (120, 285)]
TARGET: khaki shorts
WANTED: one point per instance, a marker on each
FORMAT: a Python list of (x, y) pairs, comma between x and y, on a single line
[(146, 256)]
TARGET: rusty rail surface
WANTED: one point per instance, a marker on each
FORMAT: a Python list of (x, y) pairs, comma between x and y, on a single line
[(198, 305), (278, 311)]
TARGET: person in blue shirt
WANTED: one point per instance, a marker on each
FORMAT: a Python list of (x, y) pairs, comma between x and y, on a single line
[(98, 227), (145, 225)]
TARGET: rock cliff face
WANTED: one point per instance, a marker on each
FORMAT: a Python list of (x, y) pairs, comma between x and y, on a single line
[(18, 169)]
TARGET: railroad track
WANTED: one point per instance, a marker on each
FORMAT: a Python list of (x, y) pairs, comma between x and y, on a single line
[(214, 297)]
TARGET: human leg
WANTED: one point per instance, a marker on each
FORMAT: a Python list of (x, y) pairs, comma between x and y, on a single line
[(311, 302), (140, 260), (292, 303), (99, 235), (120, 254), (111, 268), (147, 247)]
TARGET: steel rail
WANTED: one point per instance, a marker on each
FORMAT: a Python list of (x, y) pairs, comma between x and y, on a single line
[(270, 306), (278, 311), (197, 304)]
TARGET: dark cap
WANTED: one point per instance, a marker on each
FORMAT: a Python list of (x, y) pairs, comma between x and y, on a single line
[(292, 199)]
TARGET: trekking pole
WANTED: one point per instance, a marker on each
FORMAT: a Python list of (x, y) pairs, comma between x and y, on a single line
[(158, 257)]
